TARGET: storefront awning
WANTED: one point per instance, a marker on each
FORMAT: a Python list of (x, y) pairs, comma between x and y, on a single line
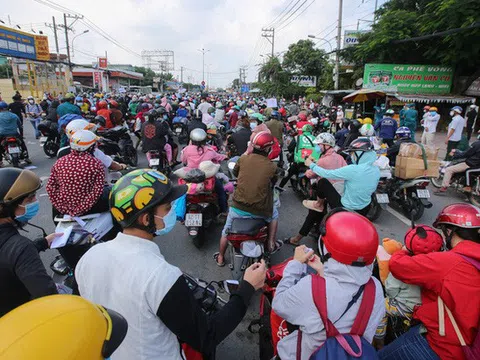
[(451, 99)]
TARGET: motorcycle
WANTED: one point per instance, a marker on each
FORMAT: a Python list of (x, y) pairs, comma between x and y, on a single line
[(50, 139), (410, 195), (12, 149), (459, 180), (158, 161), (117, 143), (201, 206), (180, 129)]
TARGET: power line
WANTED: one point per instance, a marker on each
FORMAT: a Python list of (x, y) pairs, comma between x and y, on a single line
[(278, 22), (278, 16), (289, 17), (305, 9)]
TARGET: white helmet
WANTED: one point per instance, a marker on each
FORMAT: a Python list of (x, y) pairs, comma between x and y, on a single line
[(339, 107), (198, 135), (325, 139), (367, 130), (76, 125), (83, 140)]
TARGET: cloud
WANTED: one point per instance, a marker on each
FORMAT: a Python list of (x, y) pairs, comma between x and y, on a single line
[(230, 29)]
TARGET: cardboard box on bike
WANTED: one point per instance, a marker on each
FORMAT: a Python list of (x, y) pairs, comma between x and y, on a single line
[(410, 168)]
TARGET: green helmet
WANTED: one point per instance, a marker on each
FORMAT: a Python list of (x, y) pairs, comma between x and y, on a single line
[(326, 124), (307, 128), (138, 192)]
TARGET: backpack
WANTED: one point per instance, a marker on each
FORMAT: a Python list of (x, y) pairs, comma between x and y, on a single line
[(342, 346), (305, 147), (472, 351)]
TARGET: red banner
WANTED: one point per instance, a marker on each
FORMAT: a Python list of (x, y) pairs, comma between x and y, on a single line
[(97, 78), (102, 63)]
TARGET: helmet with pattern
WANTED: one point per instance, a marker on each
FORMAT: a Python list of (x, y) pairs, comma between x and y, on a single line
[(403, 132), (307, 128), (367, 130), (77, 125), (423, 239), (325, 139), (140, 191), (83, 140)]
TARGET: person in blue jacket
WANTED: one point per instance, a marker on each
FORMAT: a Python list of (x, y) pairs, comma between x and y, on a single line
[(387, 127), (379, 112), (410, 121), (360, 180), (11, 125)]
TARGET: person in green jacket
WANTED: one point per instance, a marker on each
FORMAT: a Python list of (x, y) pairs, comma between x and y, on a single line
[(410, 120), (133, 105)]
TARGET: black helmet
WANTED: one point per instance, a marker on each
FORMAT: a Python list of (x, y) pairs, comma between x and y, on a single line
[(99, 119), (197, 114), (355, 125), (346, 123), (15, 185), (140, 191), (152, 115), (161, 111)]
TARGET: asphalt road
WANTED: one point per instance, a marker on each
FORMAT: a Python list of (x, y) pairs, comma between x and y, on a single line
[(178, 249)]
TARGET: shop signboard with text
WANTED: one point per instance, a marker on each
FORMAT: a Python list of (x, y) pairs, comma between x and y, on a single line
[(23, 45), (408, 79)]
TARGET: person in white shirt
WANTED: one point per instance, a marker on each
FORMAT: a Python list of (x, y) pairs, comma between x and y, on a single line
[(130, 276), (430, 122), (455, 129), (340, 116), (204, 106)]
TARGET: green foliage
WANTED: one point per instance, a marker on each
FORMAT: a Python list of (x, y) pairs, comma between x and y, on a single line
[(303, 59), (403, 19), (148, 75), (5, 71)]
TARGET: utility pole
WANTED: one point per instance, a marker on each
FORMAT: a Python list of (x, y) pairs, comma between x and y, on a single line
[(54, 26), (269, 34), (181, 74), (339, 43), (375, 12), (66, 40)]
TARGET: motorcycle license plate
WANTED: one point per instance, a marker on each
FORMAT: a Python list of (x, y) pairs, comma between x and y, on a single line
[(178, 130), (14, 150), (423, 194), (154, 162), (43, 139), (193, 220), (382, 198)]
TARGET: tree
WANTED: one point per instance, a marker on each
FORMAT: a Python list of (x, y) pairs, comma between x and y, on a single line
[(303, 59), (148, 75), (404, 19)]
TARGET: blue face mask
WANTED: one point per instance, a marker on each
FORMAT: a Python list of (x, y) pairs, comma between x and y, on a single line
[(165, 117), (433, 113), (169, 221), (318, 149), (253, 125), (30, 211)]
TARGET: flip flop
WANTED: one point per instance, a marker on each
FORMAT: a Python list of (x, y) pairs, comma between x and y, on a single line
[(288, 242), (278, 246), (215, 257)]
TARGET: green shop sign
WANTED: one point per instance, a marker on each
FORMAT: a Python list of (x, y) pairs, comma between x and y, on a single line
[(408, 79)]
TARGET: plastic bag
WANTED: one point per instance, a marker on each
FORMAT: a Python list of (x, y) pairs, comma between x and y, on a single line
[(181, 207)]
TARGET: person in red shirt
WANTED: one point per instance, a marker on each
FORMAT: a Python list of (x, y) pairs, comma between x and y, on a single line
[(234, 117), (302, 121), (102, 110), (76, 183), (449, 280)]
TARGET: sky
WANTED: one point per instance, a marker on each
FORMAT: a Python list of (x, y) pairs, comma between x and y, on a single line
[(229, 29)]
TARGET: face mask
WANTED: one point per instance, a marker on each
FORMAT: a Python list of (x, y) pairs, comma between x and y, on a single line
[(165, 117), (452, 113), (31, 102), (318, 149), (169, 221), (433, 113), (253, 125), (80, 104), (30, 211)]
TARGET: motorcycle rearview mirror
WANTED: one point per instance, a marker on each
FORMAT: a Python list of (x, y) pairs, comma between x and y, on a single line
[(231, 165), (230, 286)]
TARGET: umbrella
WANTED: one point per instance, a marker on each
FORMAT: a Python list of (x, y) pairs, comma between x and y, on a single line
[(363, 95)]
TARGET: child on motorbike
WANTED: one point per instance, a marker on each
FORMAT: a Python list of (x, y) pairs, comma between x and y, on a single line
[(253, 197), (197, 152), (401, 297)]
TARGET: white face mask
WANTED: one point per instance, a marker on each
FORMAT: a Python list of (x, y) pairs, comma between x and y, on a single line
[(452, 113), (31, 101)]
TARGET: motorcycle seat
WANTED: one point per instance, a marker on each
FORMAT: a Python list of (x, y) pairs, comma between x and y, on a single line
[(247, 226)]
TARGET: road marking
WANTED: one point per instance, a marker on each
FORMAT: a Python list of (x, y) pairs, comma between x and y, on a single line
[(399, 216)]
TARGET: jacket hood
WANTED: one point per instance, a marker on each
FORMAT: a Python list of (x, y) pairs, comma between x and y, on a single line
[(368, 158), (468, 248)]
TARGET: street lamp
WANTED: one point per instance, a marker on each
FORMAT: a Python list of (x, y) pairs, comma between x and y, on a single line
[(84, 32), (203, 51), (318, 38)]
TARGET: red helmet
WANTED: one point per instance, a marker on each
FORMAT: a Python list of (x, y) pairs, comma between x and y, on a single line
[(423, 239), (349, 237), (302, 117), (263, 140), (426, 108), (465, 216), (102, 105), (113, 104)]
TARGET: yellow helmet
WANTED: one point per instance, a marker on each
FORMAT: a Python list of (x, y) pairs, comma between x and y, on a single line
[(367, 120), (61, 327)]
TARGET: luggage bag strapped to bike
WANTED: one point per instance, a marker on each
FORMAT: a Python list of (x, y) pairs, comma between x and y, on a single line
[(342, 346)]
